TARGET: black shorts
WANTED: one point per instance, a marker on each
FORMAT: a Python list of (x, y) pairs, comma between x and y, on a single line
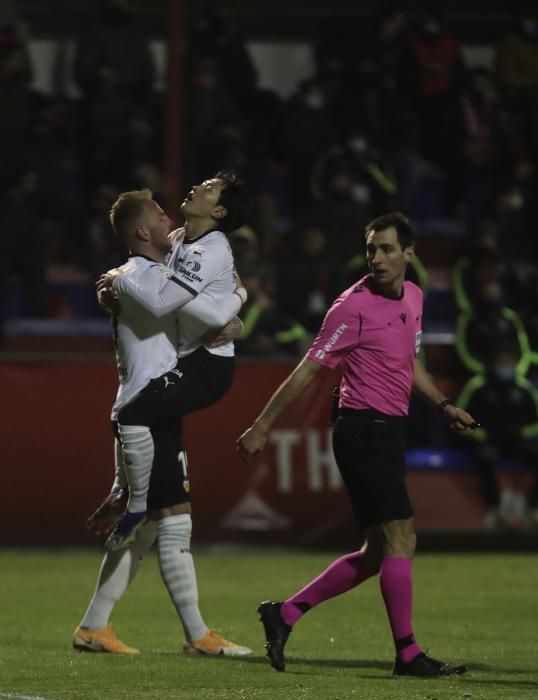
[(197, 381), (169, 483), (369, 448)]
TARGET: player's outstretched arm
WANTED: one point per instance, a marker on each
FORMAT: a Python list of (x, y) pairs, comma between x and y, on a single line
[(254, 438), (216, 312), (458, 418)]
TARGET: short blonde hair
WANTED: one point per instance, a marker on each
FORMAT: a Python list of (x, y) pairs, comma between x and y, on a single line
[(127, 211)]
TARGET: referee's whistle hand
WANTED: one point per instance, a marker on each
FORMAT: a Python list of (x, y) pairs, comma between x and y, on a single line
[(460, 420)]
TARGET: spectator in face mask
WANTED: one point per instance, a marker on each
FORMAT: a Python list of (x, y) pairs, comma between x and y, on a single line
[(506, 405), (373, 180), (349, 182), (344, 205), (486, 324)]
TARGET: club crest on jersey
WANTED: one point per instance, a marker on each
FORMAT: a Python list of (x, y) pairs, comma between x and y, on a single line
[(418, 342), (193, 265)]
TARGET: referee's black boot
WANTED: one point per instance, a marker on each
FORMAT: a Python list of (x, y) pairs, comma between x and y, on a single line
[(426, 667), (276, 633)]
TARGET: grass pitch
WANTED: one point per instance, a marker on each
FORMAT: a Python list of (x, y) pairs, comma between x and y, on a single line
[(480, 609)]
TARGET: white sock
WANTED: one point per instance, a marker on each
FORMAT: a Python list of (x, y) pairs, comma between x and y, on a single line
[(120, 477), (138, 451), (177, 571), (117, 571)]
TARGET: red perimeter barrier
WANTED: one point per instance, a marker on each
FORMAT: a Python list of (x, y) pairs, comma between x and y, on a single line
[(56, 462)]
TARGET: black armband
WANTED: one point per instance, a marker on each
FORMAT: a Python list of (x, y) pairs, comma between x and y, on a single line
[(446, 402)]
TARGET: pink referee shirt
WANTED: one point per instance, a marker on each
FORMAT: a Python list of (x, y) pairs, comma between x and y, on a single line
[(376, 340)]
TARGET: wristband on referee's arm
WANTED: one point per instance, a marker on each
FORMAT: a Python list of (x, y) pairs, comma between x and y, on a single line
[(241, 293), (443, 404)]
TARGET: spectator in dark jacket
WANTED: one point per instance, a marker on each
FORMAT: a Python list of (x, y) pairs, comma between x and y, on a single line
[(506, 405)]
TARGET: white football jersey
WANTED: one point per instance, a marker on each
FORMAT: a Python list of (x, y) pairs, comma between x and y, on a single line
[(203, 263), (145, 345), (147, 332)]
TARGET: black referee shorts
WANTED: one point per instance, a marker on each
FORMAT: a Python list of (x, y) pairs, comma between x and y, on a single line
[(369, 448), (197, 381)]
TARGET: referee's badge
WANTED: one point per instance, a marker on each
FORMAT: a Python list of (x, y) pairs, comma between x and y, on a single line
[(186, 485), (418, 342)]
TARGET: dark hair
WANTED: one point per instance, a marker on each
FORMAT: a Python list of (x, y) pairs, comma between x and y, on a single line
[(399, 221), (233, 198)]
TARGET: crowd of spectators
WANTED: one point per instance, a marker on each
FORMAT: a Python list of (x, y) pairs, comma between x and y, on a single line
[(64, 161), (392, 117)]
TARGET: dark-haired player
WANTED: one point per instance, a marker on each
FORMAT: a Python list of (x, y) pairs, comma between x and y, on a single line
[(165, 315), (198, 259)]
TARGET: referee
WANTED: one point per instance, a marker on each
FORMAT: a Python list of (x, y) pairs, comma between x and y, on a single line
[(373, 331)]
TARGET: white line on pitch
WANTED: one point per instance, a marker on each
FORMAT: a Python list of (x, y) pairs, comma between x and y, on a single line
[(18, 696)]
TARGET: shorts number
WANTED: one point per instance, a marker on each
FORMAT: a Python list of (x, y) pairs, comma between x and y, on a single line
[(183, 463)]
